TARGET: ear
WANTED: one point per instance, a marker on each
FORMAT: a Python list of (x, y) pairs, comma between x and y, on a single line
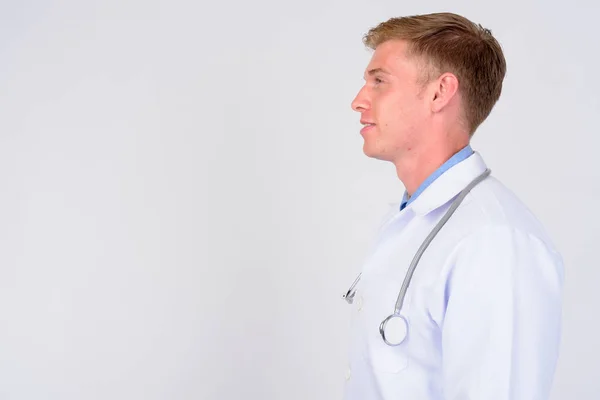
[(446, 87)]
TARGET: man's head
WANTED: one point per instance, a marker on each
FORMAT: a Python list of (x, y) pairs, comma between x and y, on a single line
[(431, 77)]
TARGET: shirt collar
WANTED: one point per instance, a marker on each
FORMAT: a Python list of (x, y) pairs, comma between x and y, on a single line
[(449, 185), (462, 155)]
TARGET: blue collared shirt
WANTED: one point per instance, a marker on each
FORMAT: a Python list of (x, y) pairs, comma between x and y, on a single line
[(462, 155)]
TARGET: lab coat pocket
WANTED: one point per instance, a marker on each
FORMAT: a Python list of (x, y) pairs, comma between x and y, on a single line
[(380, 356)]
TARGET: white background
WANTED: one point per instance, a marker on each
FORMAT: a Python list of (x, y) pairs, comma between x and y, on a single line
[(184, 196)]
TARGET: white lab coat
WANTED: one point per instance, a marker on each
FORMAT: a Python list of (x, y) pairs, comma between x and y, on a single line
[(483, 307)]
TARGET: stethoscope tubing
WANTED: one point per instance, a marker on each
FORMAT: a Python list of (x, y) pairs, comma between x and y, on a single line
[(349, 295)]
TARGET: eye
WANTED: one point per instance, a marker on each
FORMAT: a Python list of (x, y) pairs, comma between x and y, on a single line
[(378, 80)]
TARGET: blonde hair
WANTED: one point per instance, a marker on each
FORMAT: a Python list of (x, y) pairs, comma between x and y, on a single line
[(448, 42)]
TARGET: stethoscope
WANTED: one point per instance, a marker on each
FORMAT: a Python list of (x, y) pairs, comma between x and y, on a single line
[(394, 329)]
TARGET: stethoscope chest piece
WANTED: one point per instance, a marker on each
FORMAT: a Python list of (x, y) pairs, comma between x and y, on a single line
[(394, 329)]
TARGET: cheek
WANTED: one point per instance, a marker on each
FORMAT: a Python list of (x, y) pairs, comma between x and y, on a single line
[(400, 121), (397, 112)]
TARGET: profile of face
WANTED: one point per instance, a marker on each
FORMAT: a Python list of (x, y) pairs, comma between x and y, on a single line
[(394, 106)]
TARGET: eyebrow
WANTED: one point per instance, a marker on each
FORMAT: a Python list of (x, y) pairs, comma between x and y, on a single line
[(374, 71)]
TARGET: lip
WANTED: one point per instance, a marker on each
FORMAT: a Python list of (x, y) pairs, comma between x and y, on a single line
[(366, 129)]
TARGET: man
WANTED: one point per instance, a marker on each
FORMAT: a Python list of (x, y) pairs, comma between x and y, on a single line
[(481, 314)]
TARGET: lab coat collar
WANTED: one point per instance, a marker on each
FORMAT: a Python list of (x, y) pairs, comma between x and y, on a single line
[(448, 185)]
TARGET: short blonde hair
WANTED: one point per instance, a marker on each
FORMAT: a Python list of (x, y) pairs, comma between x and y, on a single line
[(451, 43)]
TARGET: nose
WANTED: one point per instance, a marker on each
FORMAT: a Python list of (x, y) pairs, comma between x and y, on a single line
[(361, 101)]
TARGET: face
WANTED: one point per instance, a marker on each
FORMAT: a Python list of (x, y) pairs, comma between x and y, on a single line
[(392, 103)]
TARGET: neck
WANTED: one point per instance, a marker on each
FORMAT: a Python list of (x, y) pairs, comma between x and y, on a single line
[(418, 163)]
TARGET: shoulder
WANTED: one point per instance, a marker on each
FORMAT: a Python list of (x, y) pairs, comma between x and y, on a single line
[(495, 233), (507, 244), (492, 212)]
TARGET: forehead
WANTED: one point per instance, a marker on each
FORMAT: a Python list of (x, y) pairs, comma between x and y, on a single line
[(391, 57)]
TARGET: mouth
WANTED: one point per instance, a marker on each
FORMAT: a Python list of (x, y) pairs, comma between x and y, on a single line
[(367, 127)]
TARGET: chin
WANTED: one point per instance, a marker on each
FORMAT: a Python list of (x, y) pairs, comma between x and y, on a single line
[(372, 152)]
